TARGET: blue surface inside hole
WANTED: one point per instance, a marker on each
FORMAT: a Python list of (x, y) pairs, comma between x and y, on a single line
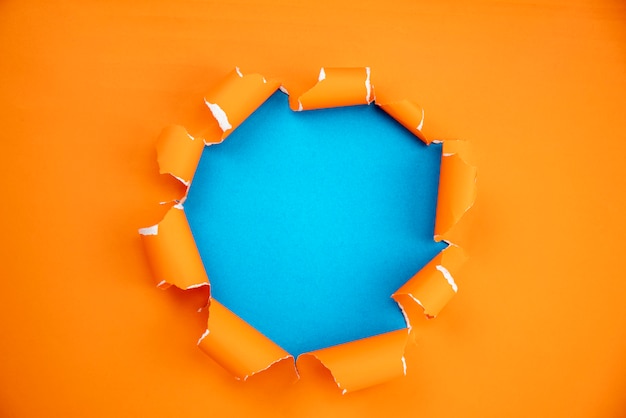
[(307, 222)]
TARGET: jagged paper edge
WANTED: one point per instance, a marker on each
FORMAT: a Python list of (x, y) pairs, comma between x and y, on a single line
[(230, 103)]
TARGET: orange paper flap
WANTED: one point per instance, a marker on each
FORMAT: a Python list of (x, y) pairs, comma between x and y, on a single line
[(172, 252), (457, 187), (409, 114), (236, 346), (178, 153), (235, 98), (337, 87), (367, 362), (433, 286)]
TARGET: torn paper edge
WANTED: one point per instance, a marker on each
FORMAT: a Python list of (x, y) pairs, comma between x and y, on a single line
[(446, 274), (358, 91), (409, 114), (233, 100), (229, 330), (246, 377), (222, 118), (178, 153), (174, 264), (249, 375), (392, 350), (457, 187), (437, 276), (151, 230)]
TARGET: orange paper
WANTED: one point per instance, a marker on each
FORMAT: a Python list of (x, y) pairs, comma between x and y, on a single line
[(237, 346), (172, 252), (537, 87), (433, 286), (366, 362), (338, 87), (178, 153), (410, 115), (233, 100), (232, 342), (457, 187)]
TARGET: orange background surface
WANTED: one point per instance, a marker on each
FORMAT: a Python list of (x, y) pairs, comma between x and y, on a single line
[(539, 88)]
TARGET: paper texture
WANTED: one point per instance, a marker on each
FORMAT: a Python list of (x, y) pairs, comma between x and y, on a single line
[(232, 342)]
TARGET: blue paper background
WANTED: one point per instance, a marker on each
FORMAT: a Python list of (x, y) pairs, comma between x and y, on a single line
[(307, 222)]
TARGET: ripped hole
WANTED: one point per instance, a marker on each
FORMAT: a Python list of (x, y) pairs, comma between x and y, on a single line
[(307, 222)]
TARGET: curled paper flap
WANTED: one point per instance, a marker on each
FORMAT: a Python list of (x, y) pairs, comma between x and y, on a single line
[(232, 342), (172, 252), (178, 153), (235, 98), (337, 87), (457, 187), (433, 286), (409, 114), (367, 362), (236, 346)]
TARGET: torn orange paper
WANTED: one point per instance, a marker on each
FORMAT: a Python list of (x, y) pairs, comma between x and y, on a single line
[(367, 362), (172, 252), (433, 286), (232, 342), (338, 87), (178, 153), (236, 346), (457, 187), (233, 100), (409, 114)]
